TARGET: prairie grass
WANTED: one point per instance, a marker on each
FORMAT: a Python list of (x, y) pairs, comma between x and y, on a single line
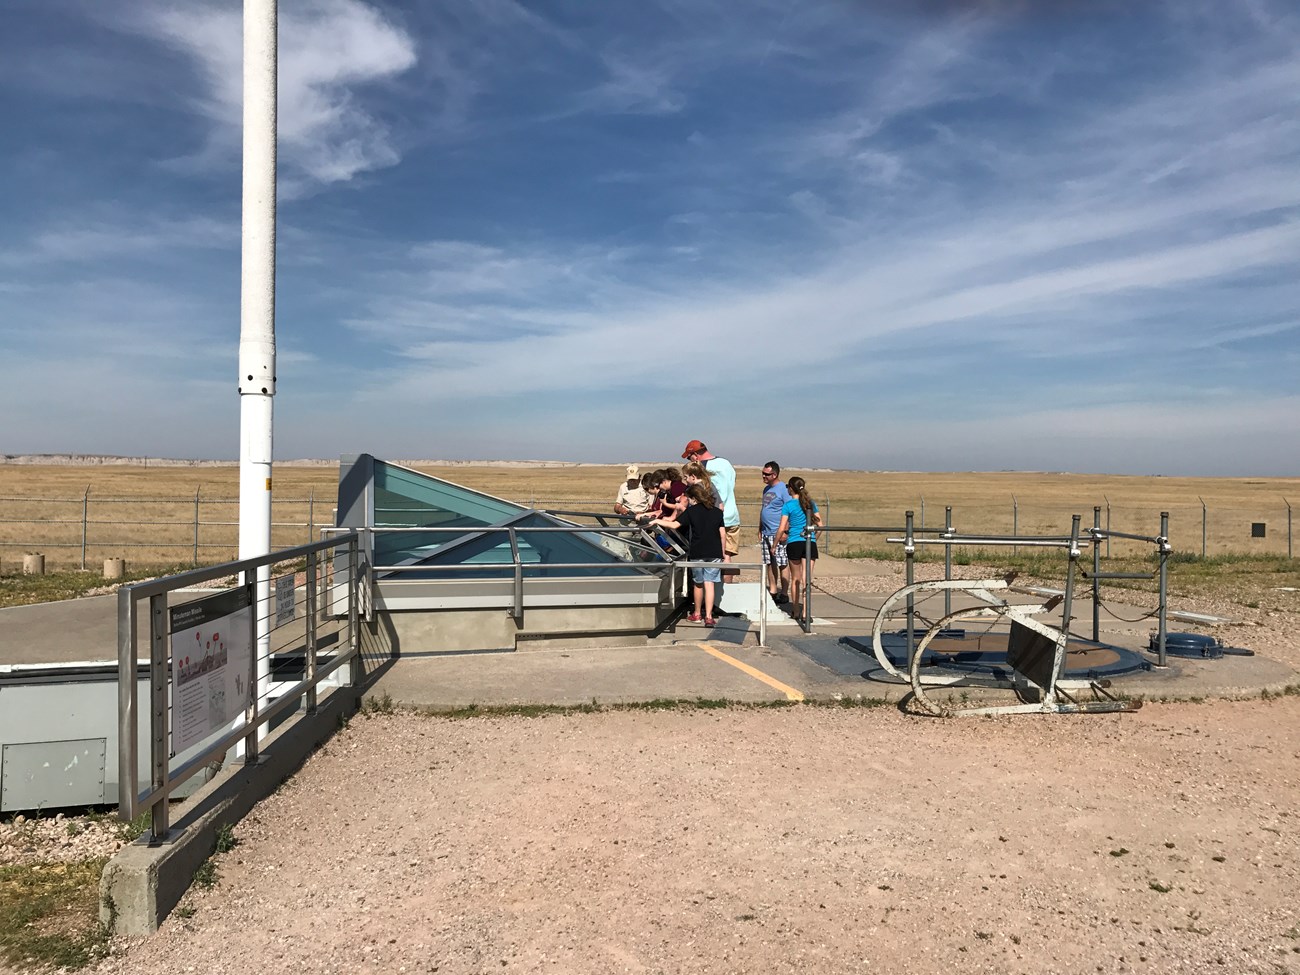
[(147, 514)]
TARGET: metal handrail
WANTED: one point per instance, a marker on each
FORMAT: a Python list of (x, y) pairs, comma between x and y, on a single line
[(163, 778)]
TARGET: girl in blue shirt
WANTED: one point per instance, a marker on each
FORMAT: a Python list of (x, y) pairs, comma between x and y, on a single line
[(800, 520)]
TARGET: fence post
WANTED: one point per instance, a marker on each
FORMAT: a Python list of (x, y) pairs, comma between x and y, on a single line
[(923, 512), (1203, 521), (1015, 523), (1107, 500), (196, 523), (826, 536), (311, 514), (1288, 527), (85, 512)]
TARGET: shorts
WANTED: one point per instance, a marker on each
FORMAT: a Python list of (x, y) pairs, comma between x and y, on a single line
[(796, 551), (704, 573), (732, 544), (768, 543)]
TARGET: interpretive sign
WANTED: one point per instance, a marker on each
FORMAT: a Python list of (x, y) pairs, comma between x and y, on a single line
[(285, 594), (211, 658)]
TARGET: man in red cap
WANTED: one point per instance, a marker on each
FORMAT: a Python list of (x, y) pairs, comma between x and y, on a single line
[(723, 476)]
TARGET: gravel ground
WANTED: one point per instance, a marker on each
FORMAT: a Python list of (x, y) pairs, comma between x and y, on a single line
[(58, 839), (796, 840), (803, 839)]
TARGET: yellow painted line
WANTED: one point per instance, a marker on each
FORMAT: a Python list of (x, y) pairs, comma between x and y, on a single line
[(753, 672)]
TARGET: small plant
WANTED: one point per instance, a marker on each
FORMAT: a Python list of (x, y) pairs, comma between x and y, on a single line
[(378, 704), (132, 831), (984, 935), (226, 838), (185, 912)]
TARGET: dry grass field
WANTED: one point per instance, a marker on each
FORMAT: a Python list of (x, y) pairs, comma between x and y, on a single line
[(147, 514)]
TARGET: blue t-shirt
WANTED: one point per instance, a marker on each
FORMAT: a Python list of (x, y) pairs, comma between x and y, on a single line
[(798, 522), (775, 495)]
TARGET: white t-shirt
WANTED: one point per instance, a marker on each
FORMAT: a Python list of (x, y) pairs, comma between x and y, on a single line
[(636, 500)]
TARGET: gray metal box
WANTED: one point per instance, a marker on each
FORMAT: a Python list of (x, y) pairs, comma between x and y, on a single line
[(38, 774)]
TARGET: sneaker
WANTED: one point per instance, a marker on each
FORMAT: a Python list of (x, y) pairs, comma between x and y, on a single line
[(694, 617), (710, 621)]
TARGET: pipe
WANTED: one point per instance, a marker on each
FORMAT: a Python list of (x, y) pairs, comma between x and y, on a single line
[(257, 310)]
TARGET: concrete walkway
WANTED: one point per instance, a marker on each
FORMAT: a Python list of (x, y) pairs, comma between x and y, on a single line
[(688, 662)]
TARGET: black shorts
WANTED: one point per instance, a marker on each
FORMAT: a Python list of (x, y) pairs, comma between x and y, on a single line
[(795, 550)]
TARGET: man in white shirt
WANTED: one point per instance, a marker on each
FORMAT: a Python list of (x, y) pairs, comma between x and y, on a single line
[(632, 498)]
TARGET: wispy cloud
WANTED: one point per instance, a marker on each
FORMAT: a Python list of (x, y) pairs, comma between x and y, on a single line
[(329, 52)]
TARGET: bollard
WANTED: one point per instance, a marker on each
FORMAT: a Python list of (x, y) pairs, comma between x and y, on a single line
[(114, 569), (33, 564)]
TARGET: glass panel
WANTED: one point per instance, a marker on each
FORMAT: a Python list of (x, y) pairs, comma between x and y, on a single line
[(407, 499), (543, 554)]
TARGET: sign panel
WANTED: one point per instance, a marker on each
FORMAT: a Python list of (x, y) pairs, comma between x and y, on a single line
[(211, 661), (285, 599)]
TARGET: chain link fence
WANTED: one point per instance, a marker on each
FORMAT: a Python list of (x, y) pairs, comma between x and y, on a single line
[(80, 532)]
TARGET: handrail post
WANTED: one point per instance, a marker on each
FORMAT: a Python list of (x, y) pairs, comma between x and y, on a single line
[(85, 517), (947, 560), (806, 623), (254, 690), (310, 609), (311, 514), (354, 593), (519, 580), (128, 728), (196, 523), (909, 553), (1161, 658), (1096, 568), (1107, 500), (1069, 589), (1288, 527), (159, 820)]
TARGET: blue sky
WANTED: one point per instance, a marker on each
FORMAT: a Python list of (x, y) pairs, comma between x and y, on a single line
[(924, 236)]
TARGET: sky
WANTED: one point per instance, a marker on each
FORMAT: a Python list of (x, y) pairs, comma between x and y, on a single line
[(918, 235)]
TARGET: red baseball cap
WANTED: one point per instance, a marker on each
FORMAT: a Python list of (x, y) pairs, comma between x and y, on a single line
[(694, 447)]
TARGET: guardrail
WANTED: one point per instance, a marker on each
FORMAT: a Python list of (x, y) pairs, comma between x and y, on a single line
[(237, 629)]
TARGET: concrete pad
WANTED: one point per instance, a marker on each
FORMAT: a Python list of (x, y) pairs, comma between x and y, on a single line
[(71, 630)]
